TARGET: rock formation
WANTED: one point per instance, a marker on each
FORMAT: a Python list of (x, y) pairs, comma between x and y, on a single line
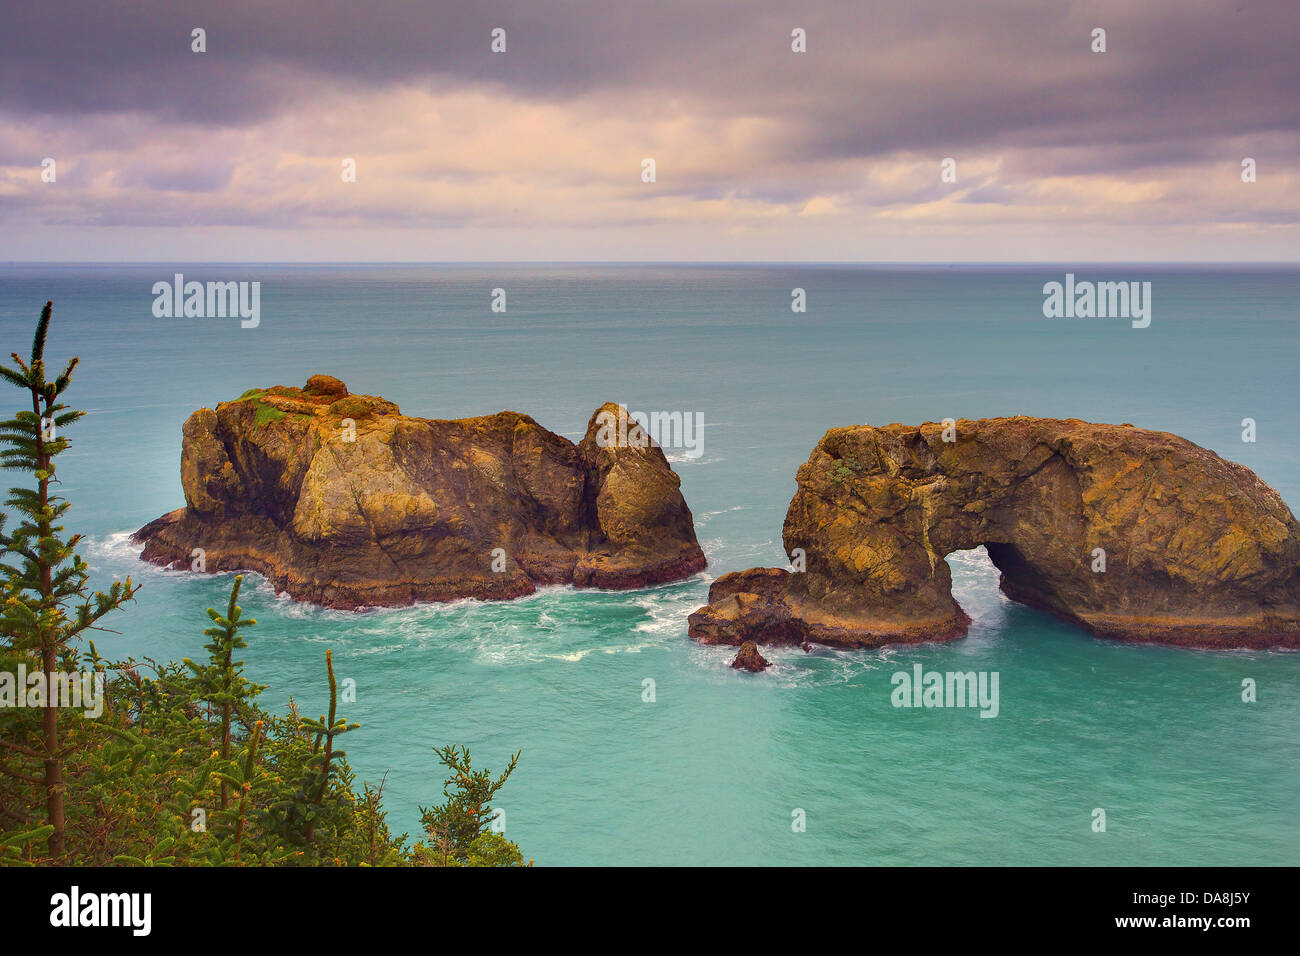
[(341, 500), (1130, 534), (749, 659)]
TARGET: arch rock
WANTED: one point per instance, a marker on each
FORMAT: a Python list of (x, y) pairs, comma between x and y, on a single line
[(1130, 534)]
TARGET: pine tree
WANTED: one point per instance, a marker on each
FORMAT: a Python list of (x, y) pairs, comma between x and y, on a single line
[(47, 604), (455, 825), (221, 680), (325, 761), (324, 785)]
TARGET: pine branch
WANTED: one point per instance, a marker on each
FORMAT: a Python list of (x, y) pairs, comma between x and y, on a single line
[(42, 327)]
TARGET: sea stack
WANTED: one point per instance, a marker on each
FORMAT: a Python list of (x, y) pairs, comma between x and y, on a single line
[(341, 500), (1129, 534), (749, 659)]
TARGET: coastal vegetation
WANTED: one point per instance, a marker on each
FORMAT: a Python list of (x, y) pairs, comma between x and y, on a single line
[(141, 762)]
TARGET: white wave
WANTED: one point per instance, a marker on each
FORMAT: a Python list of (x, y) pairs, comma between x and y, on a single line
[(710, 514), (703, 517), (116, 546), (115, 553), (681, 458), (666, 610), (572, 656), (577, 655), (710, 545), (792, 667)]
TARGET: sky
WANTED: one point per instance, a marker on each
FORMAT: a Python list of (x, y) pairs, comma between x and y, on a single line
[(761, 153)]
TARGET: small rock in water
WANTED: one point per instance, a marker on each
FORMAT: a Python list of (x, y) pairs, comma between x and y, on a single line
[(750, 659)]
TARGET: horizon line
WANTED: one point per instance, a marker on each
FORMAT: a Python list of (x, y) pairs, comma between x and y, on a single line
[(670, 262)]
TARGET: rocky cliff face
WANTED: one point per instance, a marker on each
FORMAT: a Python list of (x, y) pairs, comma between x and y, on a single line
[(341, 500), (1131, 534)]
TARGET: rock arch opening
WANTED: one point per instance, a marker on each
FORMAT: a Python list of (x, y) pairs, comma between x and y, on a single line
[(975, 583)]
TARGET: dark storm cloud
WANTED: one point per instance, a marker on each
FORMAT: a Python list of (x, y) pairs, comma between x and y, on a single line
[(924, 76)]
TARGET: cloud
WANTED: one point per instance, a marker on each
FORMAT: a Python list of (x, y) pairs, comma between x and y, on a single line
[(748, 136)]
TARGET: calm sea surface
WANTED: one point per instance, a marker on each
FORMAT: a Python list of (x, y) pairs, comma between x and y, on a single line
[(713, 769)]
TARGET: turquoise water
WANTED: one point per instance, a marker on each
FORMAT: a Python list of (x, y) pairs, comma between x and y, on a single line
[(711, 771)]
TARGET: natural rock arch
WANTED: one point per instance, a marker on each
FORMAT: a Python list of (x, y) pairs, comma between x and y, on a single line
[(1129, 533)]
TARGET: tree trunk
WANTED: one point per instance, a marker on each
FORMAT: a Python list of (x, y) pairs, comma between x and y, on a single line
[(49, 657), (53, 765)]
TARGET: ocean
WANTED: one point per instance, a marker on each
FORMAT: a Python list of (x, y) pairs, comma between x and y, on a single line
[(721, 767)]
